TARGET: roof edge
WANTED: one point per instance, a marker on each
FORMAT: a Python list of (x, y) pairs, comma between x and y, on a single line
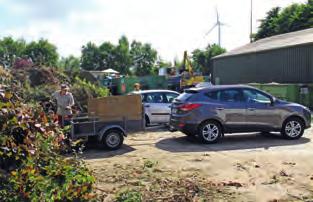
[(261, 51), (228, 54)]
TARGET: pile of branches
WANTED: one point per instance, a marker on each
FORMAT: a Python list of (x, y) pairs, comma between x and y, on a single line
[(31, 165), (151, 183), (37, 76), (39, 83)]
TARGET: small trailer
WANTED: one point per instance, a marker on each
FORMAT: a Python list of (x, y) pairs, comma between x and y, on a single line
[(109, 120)]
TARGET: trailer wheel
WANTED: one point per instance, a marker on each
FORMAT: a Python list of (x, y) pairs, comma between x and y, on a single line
[(113, 139)]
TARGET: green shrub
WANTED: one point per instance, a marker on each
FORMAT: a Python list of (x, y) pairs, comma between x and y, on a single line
[(31, 166), (128, 196), (95, 90), (83, 90), (38, 93), (149, 164)]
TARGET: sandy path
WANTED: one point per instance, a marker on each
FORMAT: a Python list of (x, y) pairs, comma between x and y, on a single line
[(269, 167)]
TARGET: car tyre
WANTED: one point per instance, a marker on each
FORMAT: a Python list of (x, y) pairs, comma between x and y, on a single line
[(147, 120), (293, 128), (210, 132), (113, 139)]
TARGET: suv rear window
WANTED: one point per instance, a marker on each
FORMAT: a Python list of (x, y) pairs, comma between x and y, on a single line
[(212, 95), (229, 95), (186, 95)]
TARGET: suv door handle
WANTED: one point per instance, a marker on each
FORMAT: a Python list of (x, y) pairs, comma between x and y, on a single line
[(220, 108), (251, 109)]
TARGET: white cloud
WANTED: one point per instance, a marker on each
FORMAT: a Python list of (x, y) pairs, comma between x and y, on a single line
[(170, 26)]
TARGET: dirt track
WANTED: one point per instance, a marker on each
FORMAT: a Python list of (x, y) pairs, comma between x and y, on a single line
[(269, 168)]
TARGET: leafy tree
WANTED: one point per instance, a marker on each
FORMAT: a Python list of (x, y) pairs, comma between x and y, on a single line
[(122, 56), (288, 19), (202, 58), (70, 63), (11, 49), (143, 58), (42, 53), (268, 25), (306, 17), (91, 58), (108, 55), (292, 18)]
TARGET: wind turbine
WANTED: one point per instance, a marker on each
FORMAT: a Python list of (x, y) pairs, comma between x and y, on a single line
[(218, 24)]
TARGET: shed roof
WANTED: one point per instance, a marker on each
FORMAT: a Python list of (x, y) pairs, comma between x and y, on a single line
[(274, 42)]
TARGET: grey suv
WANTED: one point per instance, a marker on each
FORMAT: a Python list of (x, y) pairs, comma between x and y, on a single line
[(210, 112)]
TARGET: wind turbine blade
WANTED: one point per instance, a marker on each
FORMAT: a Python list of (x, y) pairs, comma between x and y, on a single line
[(217, 15), (211, 29), (224, 24)]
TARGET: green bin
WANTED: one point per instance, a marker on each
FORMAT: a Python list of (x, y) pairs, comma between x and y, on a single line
[(304, 95), (289, 92), (126, 84), (311, 95)]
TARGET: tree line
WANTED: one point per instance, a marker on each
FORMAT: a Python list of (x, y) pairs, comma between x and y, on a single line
[(124, 57), (40, 52), (139, 57), (129, 58), (292, 18)]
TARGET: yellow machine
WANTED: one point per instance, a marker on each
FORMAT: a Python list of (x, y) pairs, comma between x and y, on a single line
[(188, 77)]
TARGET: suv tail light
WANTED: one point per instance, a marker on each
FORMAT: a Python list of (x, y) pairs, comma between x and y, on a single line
[(189, 107)]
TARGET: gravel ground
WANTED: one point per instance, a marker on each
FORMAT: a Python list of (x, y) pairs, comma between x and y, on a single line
[(268, 168)]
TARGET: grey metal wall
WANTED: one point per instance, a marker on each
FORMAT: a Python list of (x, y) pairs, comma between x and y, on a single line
[(288, 65)]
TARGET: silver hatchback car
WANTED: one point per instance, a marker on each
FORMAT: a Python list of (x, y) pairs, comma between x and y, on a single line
[(210, 112), (157, 105)]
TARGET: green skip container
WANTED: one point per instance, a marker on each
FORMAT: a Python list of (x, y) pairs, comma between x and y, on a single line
[(290, 92)]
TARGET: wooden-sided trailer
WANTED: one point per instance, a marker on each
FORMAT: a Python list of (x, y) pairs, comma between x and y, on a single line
[(110, 119)]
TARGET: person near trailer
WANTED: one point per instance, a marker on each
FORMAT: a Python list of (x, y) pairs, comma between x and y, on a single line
[(137, 87), (65, 102)]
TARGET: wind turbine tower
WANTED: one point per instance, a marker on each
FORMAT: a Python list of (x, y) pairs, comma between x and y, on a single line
[(218, 24)]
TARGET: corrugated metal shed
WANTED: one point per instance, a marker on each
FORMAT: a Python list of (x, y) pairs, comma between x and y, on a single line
[(286, 58)]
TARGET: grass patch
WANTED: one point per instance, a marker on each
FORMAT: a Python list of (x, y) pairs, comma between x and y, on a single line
[(149, 163), (128, 196)]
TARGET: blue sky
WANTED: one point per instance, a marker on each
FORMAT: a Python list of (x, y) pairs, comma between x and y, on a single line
[(171, 26)]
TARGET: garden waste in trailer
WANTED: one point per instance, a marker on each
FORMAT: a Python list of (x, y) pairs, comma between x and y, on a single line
[(110, 119)]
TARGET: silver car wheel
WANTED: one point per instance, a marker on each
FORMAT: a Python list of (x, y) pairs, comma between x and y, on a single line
[(113, 140), (293, 129), (210, 132)]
